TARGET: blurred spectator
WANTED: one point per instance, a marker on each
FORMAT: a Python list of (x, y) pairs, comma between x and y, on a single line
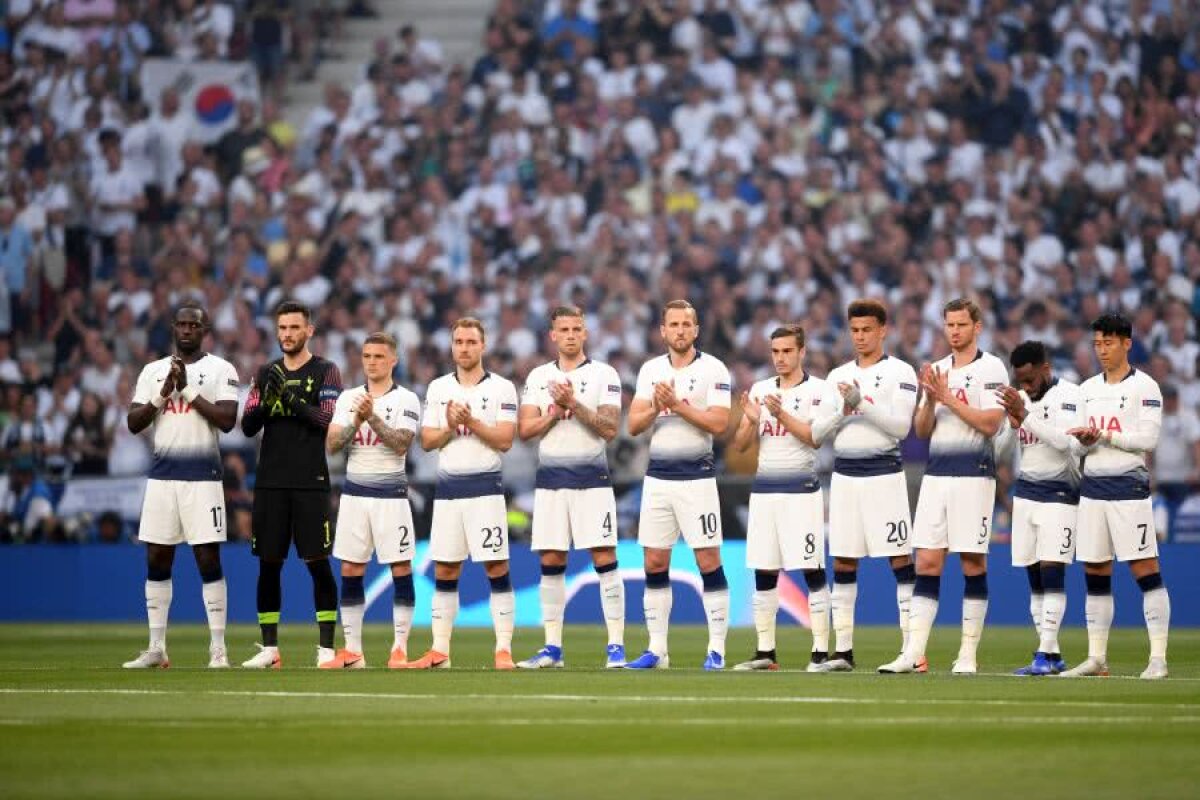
[(769, 159), (88, 437), (26, 505), (1177, 459)]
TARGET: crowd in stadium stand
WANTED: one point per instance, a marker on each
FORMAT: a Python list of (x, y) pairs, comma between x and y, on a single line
[(770, 160)]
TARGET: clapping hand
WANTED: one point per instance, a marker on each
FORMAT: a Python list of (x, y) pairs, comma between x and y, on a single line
[(664, 395), (751, 408), (935, 383), (1013, 404), (851, 394), (563, 394), (364, 407), (1086, 436), (179, 373), (774, 404)]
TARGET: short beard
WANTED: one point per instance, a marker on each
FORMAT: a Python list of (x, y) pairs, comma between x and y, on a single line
[(298, 348)]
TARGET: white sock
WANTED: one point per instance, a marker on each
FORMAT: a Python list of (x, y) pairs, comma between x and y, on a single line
[(845, 595), (445, 609), (1054, 606), (904, 594), (553, 592), (818, 618), (402, 617), (352, 626), (974, 612), (766, 608), (215, 606), (1099, 612), (1037, 602), (612, 601), (1156, 608), (920, 623), (504, 606), (656, 603), (716, 608), (158, 607)]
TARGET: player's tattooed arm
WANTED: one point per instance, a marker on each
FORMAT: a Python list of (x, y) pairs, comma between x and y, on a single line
[(338, 437), (398, 439), (604, 421)]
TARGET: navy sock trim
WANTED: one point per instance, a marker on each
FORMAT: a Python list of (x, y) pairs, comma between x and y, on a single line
[(845, 577), (1148, 583), (403, 591), (353, 593), (765, 581), (1037, 584), (928, 586), (552, 570), (446, 584), (157, 574), (658, 580), (905, 574), (603, 568), (975, 586), (1098, 584), (714, 581), (815, 578), (1054, 578), (501, 583), (212, 575)]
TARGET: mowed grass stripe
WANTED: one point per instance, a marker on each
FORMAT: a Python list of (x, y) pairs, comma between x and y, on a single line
[(596, 698)]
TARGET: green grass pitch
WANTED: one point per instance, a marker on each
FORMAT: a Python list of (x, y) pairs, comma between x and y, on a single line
[(72, 724)]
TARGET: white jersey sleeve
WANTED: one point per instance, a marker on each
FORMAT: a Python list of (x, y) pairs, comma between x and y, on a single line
[(185, 443), (678, 449), (1130, 412), (468, 467), (868, 439), (786, 465), (956, 449), (372, 468), (1049, 470), (570, 454)]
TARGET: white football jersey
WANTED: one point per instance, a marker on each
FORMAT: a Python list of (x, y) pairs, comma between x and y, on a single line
[(957, 449), (372, 468), (678, 449), (1132, 412), (1049, 457), (185, 443), (572, 455), (867, 441), (466, 466), (786, 465)]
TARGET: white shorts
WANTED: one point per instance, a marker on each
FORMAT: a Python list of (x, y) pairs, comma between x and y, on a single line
[(786, 531), (471, 526), (1043, 532), (382, 526), (183, 512), (671, 507), (869, 516), (1121, 528), (585, 517), (955, 514)]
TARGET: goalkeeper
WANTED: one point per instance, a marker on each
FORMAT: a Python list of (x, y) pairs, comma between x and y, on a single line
[(292, 401)]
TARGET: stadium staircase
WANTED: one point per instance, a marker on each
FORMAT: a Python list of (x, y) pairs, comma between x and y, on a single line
[(456, 24)]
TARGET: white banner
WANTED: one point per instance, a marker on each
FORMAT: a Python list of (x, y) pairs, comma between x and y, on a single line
[(97, 495), (208, 90)]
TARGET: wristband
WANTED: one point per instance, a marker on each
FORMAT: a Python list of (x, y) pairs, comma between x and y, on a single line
[(158, 401), (190, 393)]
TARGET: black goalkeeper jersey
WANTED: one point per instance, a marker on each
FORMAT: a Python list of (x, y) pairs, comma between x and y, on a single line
[(292, 455)]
